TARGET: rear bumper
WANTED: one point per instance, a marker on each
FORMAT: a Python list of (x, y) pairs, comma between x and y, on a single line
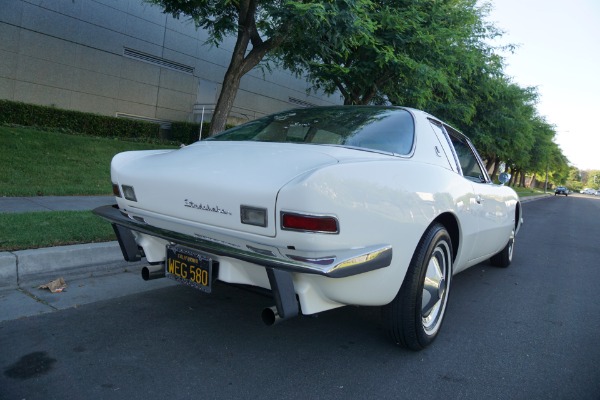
[(334, 264)]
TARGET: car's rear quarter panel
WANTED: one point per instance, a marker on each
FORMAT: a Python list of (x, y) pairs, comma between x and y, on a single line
[(376, 202)]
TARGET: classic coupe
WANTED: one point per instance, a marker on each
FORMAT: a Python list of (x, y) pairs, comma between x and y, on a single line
[(320, 208)]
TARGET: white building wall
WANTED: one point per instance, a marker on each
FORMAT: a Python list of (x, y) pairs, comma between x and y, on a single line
[(70, 54)]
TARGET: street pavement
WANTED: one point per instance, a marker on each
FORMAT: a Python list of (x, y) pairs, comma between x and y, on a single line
[(93, 271)]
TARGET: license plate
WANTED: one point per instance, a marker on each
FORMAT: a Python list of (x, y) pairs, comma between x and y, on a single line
[(190, 268)]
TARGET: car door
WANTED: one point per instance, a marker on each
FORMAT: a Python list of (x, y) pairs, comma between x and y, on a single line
[(488, 206), (467, 210)]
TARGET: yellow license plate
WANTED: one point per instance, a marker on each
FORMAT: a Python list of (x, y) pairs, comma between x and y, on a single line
[(190, 268)]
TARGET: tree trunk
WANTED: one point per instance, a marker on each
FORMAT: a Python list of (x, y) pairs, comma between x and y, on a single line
[(522, 183), (495, 170), (231, 83), (512, 177), (533, 182), (240, 62)]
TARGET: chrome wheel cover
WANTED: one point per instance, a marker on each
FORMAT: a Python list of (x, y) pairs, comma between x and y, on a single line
[(436, 287), (511, 245)]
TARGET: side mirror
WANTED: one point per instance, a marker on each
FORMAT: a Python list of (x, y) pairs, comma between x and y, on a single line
[(503, 178)]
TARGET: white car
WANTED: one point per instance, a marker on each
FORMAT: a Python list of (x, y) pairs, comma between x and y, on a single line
[(323, 207), (588, 191)]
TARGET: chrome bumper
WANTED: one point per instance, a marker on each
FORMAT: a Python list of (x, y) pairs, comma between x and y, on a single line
[(334, 264)]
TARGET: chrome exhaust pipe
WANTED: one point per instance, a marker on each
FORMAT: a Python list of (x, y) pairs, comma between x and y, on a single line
[(270, 316), (150, 272)]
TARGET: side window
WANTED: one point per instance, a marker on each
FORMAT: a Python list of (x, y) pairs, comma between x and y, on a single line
[(468, 160), (445, 144)]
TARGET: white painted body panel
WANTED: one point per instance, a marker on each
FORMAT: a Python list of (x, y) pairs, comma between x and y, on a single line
[(377, 198)]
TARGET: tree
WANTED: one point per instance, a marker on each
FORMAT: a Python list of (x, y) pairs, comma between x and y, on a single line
[(501, 126), (260, 27), (419, 51)]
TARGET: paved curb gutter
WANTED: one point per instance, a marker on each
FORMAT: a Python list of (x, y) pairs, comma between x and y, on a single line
[(40, 265), (532, 198)]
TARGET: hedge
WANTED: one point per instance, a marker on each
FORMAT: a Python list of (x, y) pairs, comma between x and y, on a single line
[(187, 132), (17, 113)]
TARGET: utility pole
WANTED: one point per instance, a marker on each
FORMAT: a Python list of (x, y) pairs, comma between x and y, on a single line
[(546, 183)]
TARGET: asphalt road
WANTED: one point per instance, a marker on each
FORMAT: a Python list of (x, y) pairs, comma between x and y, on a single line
[(531, 331)]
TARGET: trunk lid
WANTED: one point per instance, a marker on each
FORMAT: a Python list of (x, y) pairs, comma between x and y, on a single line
[(207, 182)]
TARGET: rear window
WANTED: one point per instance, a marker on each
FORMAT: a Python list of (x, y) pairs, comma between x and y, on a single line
[(374, 128)]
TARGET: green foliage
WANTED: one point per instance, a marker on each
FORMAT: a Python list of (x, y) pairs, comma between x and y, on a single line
[(409, 52), (187, 132), (502, 123), (261, 27), (588, 179), (76, 122)]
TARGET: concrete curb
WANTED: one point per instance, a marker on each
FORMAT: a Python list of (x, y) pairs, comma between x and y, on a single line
[(537, 197), (25, 267)]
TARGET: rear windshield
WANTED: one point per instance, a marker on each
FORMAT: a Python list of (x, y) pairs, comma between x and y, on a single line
[(375, 128)]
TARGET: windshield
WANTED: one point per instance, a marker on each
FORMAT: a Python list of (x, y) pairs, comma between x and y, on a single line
[(377, 128)]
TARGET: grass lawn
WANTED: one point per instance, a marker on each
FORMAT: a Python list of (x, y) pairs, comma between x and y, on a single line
[(35, 163), (51, 228), (40, 163), (525, 192)]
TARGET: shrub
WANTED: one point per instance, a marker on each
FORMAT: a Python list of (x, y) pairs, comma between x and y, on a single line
[(76, 122), (187, 132)]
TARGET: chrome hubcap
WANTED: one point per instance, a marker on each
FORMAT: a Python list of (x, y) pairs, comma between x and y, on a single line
[(435, 288), (511, 245)]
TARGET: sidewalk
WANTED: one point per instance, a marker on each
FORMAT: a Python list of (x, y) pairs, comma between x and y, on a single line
[(93, 272), (53, 203)]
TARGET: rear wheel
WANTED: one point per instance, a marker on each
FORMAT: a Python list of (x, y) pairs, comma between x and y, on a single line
[(504, 258), (413, 319)]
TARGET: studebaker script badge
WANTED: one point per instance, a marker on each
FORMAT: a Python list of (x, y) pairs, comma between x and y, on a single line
[(205, 207)]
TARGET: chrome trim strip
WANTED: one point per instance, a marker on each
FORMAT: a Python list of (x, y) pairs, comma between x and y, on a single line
[(343, 263)]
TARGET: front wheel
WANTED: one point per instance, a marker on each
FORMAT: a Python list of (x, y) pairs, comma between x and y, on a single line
[(413, 319), (504, 258)]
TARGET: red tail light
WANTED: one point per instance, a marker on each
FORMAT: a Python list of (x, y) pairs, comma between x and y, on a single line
[(309, 223)]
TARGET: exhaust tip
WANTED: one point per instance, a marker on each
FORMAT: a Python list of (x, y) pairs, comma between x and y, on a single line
[(150, 272), (270, 316)]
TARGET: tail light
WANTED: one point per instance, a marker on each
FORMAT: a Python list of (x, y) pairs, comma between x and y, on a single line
[(116, 190), (309, 223)]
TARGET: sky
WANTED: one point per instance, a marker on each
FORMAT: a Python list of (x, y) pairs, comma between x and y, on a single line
[(559, 53)]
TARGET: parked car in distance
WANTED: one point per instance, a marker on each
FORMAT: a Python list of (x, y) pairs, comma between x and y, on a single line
[(597, 193), (561, 190), (322, 208), (588, 191)]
